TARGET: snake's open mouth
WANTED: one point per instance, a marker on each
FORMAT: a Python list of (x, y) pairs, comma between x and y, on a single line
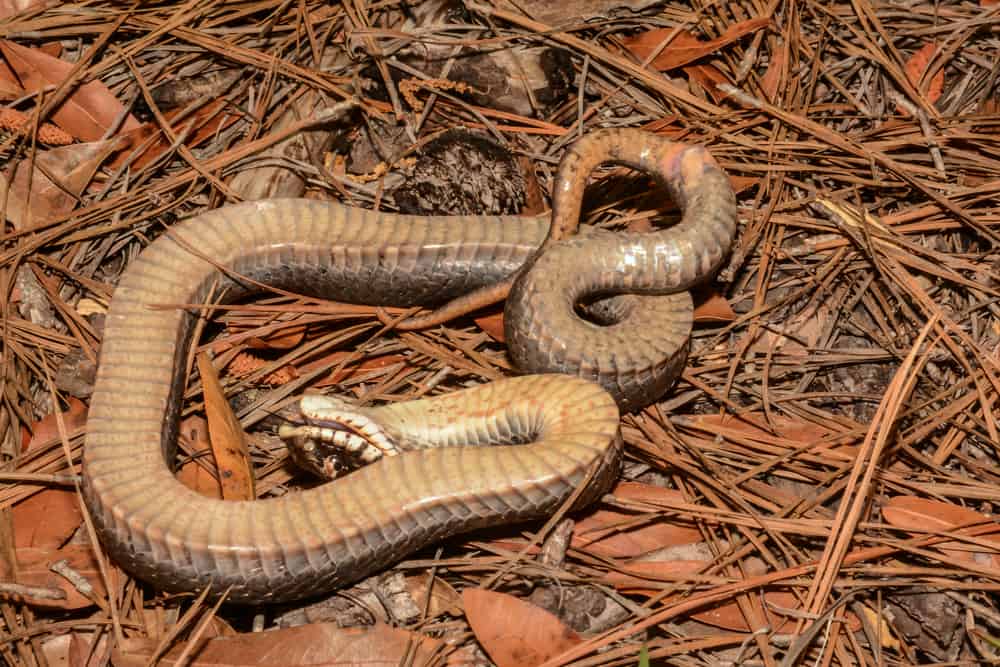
[(333, 438)]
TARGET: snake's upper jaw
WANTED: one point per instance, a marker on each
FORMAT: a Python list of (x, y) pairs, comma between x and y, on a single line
[(334, 437)]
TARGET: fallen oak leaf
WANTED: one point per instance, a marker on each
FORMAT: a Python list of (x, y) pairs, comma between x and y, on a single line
[(87, 113), (514, 632), (685, 48), (51, 186), (47, 519), (15, 7), (312, 644), (620, 533), (923, 514)]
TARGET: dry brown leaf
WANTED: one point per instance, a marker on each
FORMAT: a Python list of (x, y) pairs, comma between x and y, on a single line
[(752, 426), (15, 7), (229, 445), (284, 339), (686, 48), (776, 72), (192, 474), (915, 68), (46, 429), (492, 324), (34, 198), (779, 610), (10, 87), (710, 306), (617, 534), (199, 126), (913, 513), (314, 645), (640, 577), (87, 113), (709, 77), (513, 632), (555, 13), (73, 648), (354, 369), (729, 617), (34, 569), (47, 519), (444, 599)]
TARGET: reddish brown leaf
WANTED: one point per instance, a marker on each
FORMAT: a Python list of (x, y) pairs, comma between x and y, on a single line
[(753, 427), (72, 649), (492, 324), (87, 113), (776, 73), (729, 617), (34, 569), (15, 7), (10, 87), (443, 597), (640, 577), (46, 429), (710, 306), (47, 519), (742, 183), (314, 644), (922, 514), (621, 534), (194, 475), (354, 369), (35, 198), (709, 77), (284, 339), (686, 48), (232, 456), (514, 632), (915, 68), (199, 127)]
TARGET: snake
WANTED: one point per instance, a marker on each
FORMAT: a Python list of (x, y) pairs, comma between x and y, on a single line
[(508, 451)]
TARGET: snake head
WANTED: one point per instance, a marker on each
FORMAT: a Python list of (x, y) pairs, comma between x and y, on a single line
[(332, 437)]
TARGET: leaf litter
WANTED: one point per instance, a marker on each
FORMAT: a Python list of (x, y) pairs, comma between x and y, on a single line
[(819, 488)]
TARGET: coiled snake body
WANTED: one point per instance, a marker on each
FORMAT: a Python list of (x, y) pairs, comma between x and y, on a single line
[(308, 542)]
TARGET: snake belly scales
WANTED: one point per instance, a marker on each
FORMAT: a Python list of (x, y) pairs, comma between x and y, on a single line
[(308, 542)]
